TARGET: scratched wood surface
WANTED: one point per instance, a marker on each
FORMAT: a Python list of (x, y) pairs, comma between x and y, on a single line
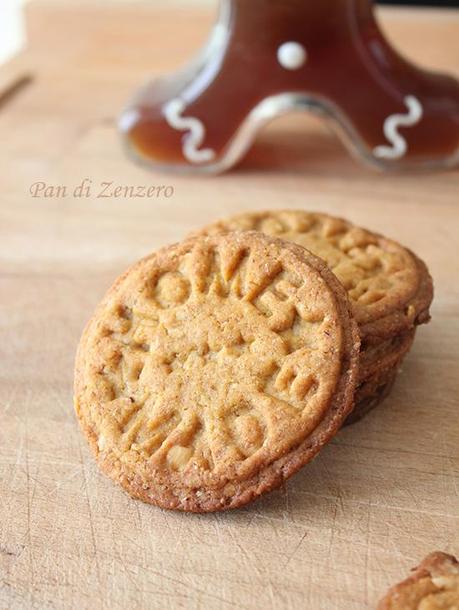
[(377, 499)]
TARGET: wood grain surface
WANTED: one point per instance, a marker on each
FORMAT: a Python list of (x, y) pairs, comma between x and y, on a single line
[(382, 495)]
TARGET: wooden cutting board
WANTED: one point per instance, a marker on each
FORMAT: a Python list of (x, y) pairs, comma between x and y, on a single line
[(377, 499)]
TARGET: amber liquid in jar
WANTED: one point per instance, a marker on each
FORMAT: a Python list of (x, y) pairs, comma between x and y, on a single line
[(350, 74)]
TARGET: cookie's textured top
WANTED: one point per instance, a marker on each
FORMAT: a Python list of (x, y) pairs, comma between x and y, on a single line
[(214, 369), (433, 586), (389, 287)]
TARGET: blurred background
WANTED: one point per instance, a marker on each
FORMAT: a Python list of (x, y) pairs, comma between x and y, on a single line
[(12, 34), (423, 2)]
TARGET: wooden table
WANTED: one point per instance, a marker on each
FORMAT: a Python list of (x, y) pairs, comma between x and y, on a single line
[(377, 499)]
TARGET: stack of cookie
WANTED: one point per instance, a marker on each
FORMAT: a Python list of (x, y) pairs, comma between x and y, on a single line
[(389, 288), (214, 369)]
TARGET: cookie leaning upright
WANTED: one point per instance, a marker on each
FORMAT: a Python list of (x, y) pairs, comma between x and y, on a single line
[(214, 369)]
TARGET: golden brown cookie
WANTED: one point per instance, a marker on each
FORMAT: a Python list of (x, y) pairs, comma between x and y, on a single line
[(389, 287), (214, 369), (434, 585)]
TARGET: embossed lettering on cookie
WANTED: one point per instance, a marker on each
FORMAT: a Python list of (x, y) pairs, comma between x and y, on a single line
[(214, 369), (389, 287)]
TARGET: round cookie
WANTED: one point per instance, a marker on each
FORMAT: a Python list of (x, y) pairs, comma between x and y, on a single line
[(214, 369), (389, 287), (434, 585)]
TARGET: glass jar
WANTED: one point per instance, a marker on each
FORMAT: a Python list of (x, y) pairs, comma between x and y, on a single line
[(269, 57)]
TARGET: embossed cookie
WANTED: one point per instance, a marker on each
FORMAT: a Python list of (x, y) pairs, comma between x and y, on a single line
[(389, 287), (214, 369), (434, 585)]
